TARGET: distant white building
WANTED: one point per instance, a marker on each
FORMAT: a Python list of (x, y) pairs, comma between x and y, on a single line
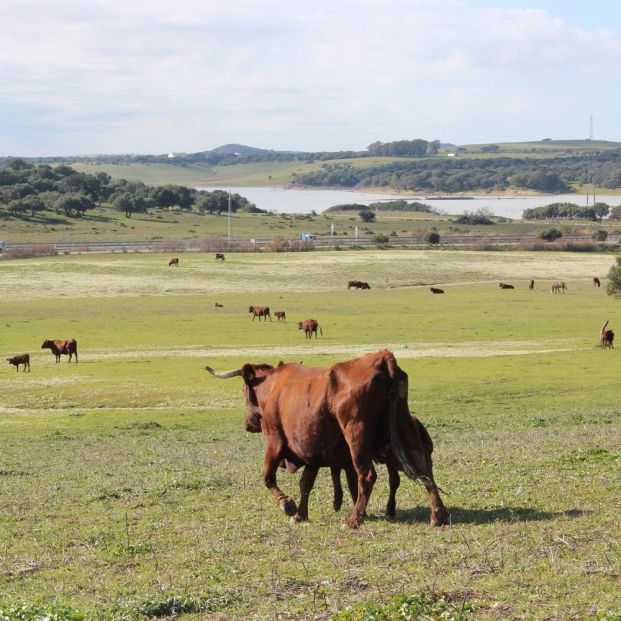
[(171, 155)]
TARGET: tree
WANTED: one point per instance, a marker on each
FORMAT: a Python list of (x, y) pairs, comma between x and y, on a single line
[(614, 279), (367, 215), (600, 235), (130, 203)]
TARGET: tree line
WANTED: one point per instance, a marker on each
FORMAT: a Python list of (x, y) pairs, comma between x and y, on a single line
[(453, 175), (28, 189)]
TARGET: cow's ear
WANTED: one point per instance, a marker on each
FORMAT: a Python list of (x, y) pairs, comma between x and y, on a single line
[(280, 363)]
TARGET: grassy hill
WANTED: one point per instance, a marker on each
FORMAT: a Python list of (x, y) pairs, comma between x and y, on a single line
[(285, 172)]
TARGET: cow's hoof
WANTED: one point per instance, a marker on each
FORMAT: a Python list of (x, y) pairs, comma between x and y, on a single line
[(288, 506), (298, 519), (440, 518), (352, 523)]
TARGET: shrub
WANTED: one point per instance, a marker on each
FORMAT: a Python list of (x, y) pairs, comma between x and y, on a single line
[(33, 250), (551, 234), (432, 238), (600, 235), (614, 278), (366, 215)]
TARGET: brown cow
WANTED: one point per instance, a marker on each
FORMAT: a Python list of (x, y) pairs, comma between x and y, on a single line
[(21, 359), (436, 290), (557, 287), (174, 261), (358, 284), (309, 326), (218, 305), (219, 256), (62, 346), (260, 311), (392, 465), (531, 285), (606, 337), (340, 416), (503, 285), (596, 282), (280, 315)]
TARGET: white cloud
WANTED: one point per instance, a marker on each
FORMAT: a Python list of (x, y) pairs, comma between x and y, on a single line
[(153, 76)]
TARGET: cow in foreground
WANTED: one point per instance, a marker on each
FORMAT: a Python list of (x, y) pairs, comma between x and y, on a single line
[(280, 315), (219, 256), (310, 326), (21, 359), (341, 416), (62, 346), (260, 311), (174, 261)]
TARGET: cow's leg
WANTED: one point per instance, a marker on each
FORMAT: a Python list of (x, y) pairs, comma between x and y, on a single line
[(364, 470), (337, 500), (307, 480), (439, 513), (394, 480), (273, 457)]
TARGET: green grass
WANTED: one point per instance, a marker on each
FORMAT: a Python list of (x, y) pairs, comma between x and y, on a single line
[(130, 490)]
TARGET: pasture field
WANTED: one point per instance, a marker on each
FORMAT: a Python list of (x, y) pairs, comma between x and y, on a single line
[(130, 490)]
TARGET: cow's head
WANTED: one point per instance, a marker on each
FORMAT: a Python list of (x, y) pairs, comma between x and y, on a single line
[(251, 309), (46, 344), (300, 325), (253, 375)]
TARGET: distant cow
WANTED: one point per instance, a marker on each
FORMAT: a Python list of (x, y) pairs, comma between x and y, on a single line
[(596, 282), (606, 337), (21, 359), (219, 256), (218, 305), (503, 285), (557, 287), (174, 261), (309, 326), (436, 290), (260, 311), (280, 315), (358, 284), (531, 285), (62, 346)]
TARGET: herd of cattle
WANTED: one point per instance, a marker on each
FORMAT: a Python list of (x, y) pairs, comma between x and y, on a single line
[(344, 417)]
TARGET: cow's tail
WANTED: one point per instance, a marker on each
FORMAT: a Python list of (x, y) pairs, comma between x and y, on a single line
[(320, 330), (399, 394)]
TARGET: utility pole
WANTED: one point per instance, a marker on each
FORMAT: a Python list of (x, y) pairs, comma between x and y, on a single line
[(229, 215)]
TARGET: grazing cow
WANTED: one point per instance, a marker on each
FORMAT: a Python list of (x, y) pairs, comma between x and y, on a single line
[(174, 261), (358, 284), (280, 315), (21, 359), (596, 282), (606, 337), (62, 346), (557, 287), (531, 285), (436, 290), (219, 256), (218, 305), (309, 326), (260, 311), (392, 465), (503, 285), (340, 416)]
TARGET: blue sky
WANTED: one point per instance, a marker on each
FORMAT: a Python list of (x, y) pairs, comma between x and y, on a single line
[(153, 76)]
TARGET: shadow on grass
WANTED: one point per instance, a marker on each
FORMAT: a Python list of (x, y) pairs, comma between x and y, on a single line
[(460, 515), (39, 219)]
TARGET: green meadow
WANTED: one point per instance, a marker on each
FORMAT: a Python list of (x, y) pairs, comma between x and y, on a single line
[(129, 488)]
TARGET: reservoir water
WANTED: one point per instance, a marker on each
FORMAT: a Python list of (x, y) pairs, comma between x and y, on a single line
[(284, 200)]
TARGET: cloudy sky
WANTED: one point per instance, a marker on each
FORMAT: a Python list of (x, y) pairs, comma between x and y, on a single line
[(153, 76)]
